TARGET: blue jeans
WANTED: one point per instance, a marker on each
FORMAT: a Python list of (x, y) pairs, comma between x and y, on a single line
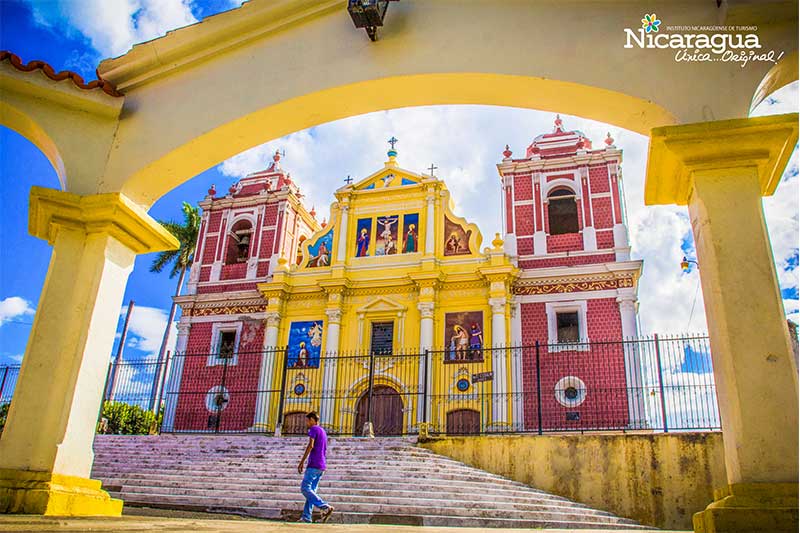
[(309, 489)]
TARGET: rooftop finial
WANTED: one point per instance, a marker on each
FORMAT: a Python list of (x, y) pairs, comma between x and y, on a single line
[(609, 141), (507, 152), (392, 152), (313, 212), (277, 156), (559, 123)]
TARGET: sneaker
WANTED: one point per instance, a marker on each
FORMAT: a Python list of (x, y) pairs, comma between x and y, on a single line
[(326, 513), (301, 521)]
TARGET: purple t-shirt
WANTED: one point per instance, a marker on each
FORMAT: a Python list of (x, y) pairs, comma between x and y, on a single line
[(316, 459)]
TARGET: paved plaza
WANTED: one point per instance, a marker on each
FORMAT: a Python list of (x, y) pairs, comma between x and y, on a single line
[(27, 523)]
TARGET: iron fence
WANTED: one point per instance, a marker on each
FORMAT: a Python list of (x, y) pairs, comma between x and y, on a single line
[(652, 383), (8, 382)]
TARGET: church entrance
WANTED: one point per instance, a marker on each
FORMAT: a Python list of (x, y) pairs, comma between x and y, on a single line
[(463, 422), (294, 424), (387, 411)]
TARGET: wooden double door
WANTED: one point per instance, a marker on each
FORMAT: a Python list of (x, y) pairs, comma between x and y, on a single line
[(387, 411)]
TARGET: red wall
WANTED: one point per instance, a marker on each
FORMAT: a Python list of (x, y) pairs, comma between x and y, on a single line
[(602, 370), (241, 381)]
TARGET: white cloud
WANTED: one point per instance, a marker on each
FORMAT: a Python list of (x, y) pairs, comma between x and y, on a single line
[(14, 307), (146, 330), (113, 26)]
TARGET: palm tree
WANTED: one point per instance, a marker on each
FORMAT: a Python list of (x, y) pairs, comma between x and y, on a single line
[(181, 259)]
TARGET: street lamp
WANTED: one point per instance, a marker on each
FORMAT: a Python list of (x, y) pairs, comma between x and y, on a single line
[(685, 264), (368, 14)]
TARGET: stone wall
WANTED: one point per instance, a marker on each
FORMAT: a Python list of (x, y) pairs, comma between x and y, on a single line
[(655, 479)]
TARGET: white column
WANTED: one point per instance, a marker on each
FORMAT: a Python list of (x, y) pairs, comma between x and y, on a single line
[(637, 416), (175, 375), (518, 420), (499, 382), (341, 249), (264, 395), (621, 242), (430, 224), (425, 343), (329, 367)]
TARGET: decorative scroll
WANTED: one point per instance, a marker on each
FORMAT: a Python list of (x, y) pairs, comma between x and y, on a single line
[(230, 310), (572, 286)]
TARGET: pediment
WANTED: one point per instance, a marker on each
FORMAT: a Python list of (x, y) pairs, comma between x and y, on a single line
[(382, 304), (388, 178)]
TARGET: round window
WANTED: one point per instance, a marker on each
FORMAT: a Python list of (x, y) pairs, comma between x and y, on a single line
[(217, 399), (570, 391), (462, 385), (299, 389)]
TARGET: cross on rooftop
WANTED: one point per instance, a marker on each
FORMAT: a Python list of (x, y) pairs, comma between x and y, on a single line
[(432, 168), (392, 141), (348, 180)]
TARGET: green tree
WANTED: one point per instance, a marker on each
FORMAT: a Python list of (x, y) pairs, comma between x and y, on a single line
[(181, 260)]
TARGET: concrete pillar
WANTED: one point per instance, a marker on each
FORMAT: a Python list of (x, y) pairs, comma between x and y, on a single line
[(46, 449), (430, 224), (500, 380), (721, 170), (637, 416), (266, 375), (426, 310), (329, 367), (175, 375), (518, 415), (341, 248)]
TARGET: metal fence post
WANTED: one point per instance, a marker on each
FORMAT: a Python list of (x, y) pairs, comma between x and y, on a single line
[(425, 398), (162, 384), (3, 382), (371, 383), (661, 385), (105, 397), (538, 389), (284, 376), (218, 421)]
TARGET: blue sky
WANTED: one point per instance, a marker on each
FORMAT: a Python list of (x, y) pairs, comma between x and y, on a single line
[(465, 142)]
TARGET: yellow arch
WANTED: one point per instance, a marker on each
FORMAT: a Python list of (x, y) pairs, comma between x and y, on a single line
[(204, 151), (23, 124)]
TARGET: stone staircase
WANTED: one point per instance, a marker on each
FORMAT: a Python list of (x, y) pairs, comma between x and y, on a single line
[(376, 481)]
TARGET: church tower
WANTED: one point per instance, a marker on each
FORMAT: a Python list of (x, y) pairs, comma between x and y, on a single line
[(565, 228)]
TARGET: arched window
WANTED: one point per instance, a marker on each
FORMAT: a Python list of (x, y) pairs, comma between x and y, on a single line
[(239, 238), (562, 212)]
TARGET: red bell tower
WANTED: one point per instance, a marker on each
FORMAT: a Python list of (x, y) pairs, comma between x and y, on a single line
[(565, 227)]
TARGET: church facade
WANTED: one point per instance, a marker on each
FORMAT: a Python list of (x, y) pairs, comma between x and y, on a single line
[(396, 312)]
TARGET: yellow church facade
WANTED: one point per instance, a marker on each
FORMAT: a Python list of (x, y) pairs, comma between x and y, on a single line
[(396, 283)]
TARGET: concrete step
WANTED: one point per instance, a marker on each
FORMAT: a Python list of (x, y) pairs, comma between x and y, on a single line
[(369, 481)]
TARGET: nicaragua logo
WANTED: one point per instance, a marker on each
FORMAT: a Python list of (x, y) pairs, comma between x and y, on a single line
[(650, 23), (700, 43)]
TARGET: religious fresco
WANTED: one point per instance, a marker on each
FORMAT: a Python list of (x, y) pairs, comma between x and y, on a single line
[(363, 235), (463, 333), (456, 239), (319, 253), (305, 340), (410, 241), (386, 235)]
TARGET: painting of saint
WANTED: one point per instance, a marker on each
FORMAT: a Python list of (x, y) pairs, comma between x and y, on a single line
[(305, 341), (386, 242), (320, 252), (410, 236), (456, 239), (363, 231), (464, 336)]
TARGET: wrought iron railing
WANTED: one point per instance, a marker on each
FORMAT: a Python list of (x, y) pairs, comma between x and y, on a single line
[(653, 383)]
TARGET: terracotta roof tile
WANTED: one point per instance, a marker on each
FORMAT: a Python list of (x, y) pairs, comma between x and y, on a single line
[(76, 78)]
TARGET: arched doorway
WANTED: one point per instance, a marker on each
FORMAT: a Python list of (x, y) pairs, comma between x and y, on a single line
[(463, 422), (294, 424), (387, 411)]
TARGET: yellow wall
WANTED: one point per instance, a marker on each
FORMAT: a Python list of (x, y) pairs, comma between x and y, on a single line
[(658, 480)]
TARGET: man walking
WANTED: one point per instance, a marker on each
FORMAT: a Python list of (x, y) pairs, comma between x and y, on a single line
[(315, 452)]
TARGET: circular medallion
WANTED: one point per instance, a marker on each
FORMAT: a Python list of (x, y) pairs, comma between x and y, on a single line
[(299, 389), (462, 385)]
